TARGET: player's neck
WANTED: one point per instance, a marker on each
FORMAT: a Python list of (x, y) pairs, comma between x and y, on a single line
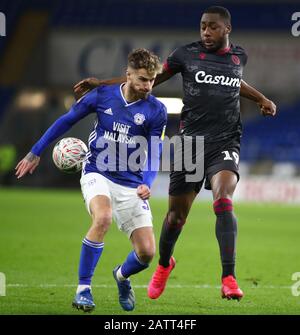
[(225, 45), (129, 94), (224, 48)]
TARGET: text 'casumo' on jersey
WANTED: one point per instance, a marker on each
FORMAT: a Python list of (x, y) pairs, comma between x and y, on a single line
[(211, 86)]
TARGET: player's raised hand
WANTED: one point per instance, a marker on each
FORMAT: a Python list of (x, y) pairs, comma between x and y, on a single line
[(27, 164), (143, 192), (267, 107), (84, 86)]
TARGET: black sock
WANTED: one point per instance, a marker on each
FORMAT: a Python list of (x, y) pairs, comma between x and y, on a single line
[(168, 237), (226, 232)]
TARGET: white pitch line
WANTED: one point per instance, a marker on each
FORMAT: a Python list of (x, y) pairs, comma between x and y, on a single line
[(178, 286)]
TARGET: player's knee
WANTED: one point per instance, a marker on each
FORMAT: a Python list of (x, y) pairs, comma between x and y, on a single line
[(101, 222), (223, 194), (146, 255), (175, 219), (222, 191)]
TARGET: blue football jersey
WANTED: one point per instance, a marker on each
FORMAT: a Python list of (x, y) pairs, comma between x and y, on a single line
[(121, 128), (117, 127)]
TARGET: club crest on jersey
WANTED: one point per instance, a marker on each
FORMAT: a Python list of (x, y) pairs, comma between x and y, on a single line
[(235, 60), (202, 55), (139, 119)]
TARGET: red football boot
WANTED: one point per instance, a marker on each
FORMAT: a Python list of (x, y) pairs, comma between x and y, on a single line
[(230, 289), (159, 279)]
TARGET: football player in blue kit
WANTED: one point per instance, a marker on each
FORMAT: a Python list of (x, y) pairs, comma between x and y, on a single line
[(125, 114)]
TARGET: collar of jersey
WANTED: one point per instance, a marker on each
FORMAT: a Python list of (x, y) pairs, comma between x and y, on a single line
[(219, 52), (124, 100), (224, 50)]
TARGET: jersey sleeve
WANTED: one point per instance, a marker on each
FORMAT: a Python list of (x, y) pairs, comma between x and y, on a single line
[(78, 111), (245, 59), (155, 142), (174, 62)]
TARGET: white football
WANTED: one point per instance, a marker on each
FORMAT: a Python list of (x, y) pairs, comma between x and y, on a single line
[(68, 154)]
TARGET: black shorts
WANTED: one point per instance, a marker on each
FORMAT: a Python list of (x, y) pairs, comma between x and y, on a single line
[(218, 156)]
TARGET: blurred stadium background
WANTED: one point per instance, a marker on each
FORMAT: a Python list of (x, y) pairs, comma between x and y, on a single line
[(49, 46)]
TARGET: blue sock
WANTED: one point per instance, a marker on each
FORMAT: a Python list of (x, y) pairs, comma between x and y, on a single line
[(90, 254), (132, 265)]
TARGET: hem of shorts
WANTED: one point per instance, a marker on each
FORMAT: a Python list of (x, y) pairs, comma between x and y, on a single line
[(132, 230), (175, 194), (129, 235), (236, 173)]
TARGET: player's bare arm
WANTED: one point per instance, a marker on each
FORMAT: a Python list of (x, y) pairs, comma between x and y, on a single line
[(162, 77), (86, 85), (267, 107), (27, 164)]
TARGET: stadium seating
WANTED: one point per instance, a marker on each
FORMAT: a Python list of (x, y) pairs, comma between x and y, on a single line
[(136, 13), (271, 139), (276, 139)]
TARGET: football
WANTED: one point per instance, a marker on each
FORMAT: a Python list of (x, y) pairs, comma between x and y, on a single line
[(68, 154)]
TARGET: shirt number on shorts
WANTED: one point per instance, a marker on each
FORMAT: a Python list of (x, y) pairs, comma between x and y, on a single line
[(145, 205), (229, 158)]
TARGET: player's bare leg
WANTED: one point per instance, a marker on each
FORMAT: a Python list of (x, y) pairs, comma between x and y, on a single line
[(144, 243), (223, 186), (144, 249), (101, 211), (179, 207), (92, 247)]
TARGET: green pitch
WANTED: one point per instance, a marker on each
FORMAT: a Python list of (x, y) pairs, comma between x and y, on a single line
[(40, 241)]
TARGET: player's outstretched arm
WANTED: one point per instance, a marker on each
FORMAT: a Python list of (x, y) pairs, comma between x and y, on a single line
[(88, 84), (267, 106), (77, 112), (27, 164), (162, 77)]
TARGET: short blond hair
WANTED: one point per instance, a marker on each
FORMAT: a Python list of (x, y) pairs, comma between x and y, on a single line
[(144, 59)]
